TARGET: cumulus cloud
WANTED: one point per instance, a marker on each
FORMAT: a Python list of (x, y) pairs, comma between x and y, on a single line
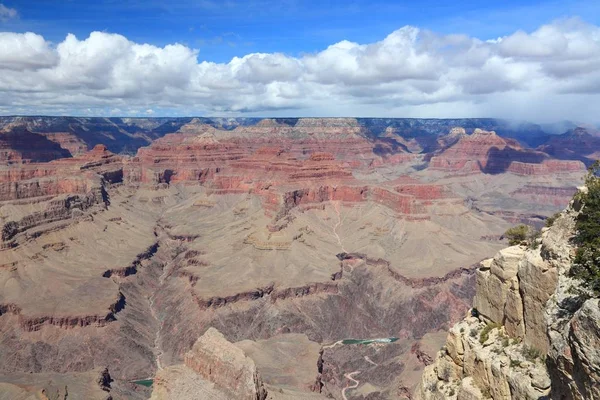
[(25, 51), (552, 72)]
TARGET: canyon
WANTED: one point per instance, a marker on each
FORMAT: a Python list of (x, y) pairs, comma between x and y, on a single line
[(226, 258)]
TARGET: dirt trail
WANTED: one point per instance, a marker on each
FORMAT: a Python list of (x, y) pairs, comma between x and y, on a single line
[(329, 346), (348, 386), (367, 359)]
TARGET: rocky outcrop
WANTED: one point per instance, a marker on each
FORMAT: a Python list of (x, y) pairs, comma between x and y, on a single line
[(574, 354), (214, 360), (214, 302), (77, 134), (65, 176), (261, 209), (217, 360), (60, 208), (259, 293), (31, 323), (485, 151), (556, 196), (523, 315), (575, 144), (19, 145), (133, 267)]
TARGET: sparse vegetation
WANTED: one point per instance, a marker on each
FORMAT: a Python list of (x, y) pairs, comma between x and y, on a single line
[(452, 392), (532, 242), (515, 363), (485, 332), (516, 235), (522, 235), (445, 374), (586, 265), (473, 332), (550, 220), (9, 230), (530, 353), (486, 393)]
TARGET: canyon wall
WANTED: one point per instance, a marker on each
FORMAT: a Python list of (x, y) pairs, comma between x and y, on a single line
[(528, 336), (267, 230)]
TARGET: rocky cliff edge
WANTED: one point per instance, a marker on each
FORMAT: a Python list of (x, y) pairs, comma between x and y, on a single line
[(527, 336)]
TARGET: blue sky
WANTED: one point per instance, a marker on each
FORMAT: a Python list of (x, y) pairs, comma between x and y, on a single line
[(518, 59), (223, 29)]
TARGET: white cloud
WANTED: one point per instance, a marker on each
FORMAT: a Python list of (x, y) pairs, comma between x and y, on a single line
[(553, 72), (25, 51), (7, 13)]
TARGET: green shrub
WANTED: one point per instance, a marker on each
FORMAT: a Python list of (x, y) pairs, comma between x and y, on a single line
[(586, 265), (530, 353), (515, 363), (550, 220), (522, 235), (516, 235), (473, 332), (485, 332), (532, 241)]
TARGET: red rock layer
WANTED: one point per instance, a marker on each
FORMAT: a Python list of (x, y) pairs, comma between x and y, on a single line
[(546, 167), (312, 149), (22, 146), (576, 144), (556, 196), (67, 141), (287, 166), (64, 176), (489, 153)]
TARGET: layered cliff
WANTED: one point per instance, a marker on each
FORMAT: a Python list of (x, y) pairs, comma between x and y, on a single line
[(575, 144), (487, 152), (528, 336), (217, 369), (285, 235)]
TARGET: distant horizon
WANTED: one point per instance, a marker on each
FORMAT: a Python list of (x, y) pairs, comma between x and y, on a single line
[(574, 124), (281, 117)]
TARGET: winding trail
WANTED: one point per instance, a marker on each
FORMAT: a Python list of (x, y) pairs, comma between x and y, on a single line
[(348, 386)]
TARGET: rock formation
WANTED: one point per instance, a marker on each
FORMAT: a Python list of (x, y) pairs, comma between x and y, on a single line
[(286, 235), (218, 369), (575, 144), (485, 151), (527, 336), (216, 360)]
